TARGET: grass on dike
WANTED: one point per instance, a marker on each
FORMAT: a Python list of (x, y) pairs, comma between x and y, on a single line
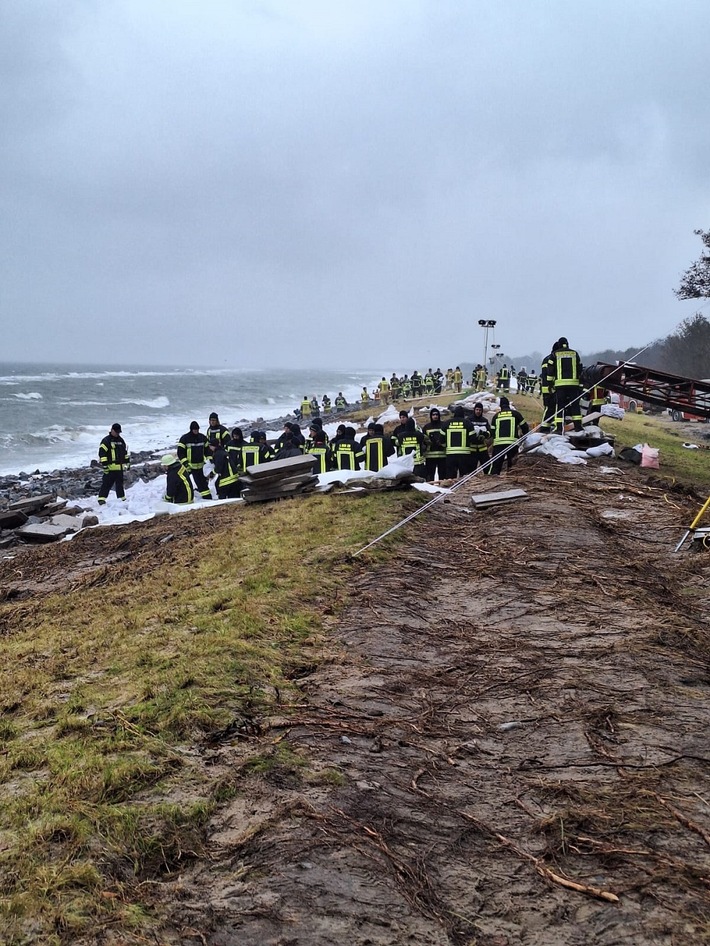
[(108, 693)]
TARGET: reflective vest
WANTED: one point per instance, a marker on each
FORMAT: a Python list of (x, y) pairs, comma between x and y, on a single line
[(504, 428), (305, 408), (364, 397), (565, 368), (503, 374), (384, 387), (457, 433)]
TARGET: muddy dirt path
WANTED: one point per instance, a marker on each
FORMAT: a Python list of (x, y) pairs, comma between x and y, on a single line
[(521, 704)]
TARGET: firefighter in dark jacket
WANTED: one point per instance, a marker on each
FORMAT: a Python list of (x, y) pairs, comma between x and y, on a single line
[(227, 482), (319, 449), (458, 445), (217, 435), (413, 441), (257, 450), (567, 386), (435, 457), (480, 435), (347, 453), (191, 453), (178, 488), (546, 389), (114, 459), (377, 448), (508, 427)]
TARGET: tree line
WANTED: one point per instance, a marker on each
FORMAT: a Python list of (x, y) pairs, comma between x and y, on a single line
[(686, 351)]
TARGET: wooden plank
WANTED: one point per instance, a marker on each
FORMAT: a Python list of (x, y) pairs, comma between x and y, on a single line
[(481, 500)]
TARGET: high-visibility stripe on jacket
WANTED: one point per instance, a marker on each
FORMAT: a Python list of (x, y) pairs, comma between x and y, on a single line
[(457, 437), (323, 458), (347, 455), (597, 395), (191, 451), (411, 444), (504, 428), (375, 457), (178, 487), (566, 368), (113, 454)]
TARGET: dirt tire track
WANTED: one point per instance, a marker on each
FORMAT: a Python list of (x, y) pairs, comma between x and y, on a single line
[(522, 696)]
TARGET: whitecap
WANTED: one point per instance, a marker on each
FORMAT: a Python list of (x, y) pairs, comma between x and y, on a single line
[(32, 396)]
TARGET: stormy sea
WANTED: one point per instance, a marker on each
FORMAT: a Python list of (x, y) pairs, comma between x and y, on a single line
[(52, 416)]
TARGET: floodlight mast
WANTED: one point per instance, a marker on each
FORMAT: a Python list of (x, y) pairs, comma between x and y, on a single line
[(486, 325)]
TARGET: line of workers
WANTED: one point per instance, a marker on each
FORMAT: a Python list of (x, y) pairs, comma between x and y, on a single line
[(442, 449), (392, 390)]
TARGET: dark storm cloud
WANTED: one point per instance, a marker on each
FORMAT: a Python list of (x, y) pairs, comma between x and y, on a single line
[(269, 172)]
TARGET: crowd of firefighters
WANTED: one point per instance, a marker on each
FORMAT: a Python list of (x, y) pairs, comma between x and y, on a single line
[(441, 449)]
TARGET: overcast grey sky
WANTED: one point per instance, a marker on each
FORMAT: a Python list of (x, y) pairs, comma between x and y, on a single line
[(346, 182)]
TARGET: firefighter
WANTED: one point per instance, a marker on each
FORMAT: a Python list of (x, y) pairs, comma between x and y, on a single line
[(480, 435), (481, 377), (508, 426), (217, 435), (347, 454), (566, 383), (257, 450), (340, 402), (322, 453), (178, 487), (115, 460), (458, 447), (227, 466), (458, 379), (287, 447), (503, 383), (435, 456), (377, 447), (546, 389), (305, 407), (191, 453), (384, 389), (597, 396), (412, 440)]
